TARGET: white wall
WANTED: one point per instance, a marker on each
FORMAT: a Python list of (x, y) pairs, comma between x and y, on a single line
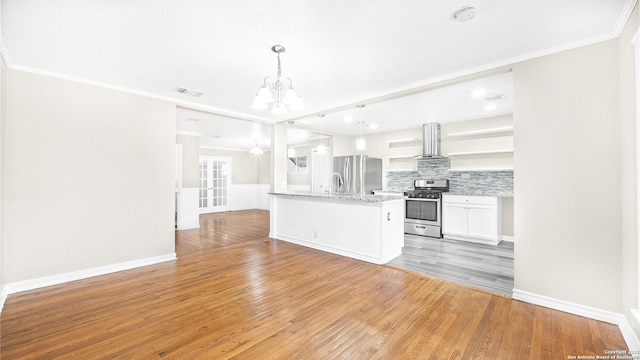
[(3, 108), (190, 160), (89, 177), (567, 176)]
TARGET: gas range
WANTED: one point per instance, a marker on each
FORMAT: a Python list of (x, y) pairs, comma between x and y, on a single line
[(423, 208), (428, 189)]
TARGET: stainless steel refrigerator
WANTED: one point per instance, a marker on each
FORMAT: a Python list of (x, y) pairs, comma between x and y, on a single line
[(359, 174)]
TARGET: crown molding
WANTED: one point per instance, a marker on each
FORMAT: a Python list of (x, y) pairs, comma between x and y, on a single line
[(624, 17), (4, 52), (176, 101)]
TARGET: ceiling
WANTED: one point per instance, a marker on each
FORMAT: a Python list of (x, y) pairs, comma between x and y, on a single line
[(338, 53)]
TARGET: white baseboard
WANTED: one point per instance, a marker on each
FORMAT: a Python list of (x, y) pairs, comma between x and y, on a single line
[(629, 335), (492, 242), (590, 312), (334, 250), (187, 226), (12, 288), (507, 238), (3, 296), (569, 307)]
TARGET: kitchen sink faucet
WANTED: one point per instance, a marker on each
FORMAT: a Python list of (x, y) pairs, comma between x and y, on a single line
[(340, 182)]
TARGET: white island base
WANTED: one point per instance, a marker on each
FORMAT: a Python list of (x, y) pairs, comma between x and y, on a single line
[(363, 227)]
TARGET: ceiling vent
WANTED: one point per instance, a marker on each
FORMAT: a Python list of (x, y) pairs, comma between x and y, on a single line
[(465, 13), (189, 92)]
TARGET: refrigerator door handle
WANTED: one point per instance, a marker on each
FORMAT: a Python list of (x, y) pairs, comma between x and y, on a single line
[(347, 177)]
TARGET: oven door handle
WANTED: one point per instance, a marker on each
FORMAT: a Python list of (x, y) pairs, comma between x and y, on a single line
[(421, 199)]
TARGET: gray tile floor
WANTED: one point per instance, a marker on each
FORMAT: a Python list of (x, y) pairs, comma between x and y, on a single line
[(480, 266)]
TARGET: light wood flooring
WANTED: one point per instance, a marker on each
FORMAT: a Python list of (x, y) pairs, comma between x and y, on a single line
[(480, 266), (245, 296)]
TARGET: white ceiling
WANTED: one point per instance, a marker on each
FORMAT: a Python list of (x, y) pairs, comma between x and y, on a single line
[(339, 53)]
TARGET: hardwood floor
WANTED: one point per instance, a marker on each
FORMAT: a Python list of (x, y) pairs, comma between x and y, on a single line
[(219, 230), (258, 298)]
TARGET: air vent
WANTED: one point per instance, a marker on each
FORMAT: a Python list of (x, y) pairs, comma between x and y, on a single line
[(189, 92), (465, 13)]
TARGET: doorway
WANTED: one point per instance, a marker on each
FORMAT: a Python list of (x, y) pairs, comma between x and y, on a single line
[(214, 184)]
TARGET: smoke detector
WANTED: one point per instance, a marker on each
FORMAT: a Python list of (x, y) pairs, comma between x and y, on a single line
[(465, 13)]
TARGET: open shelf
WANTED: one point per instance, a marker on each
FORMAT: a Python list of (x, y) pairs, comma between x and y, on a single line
[(399, 156), (400, 141), (496, 130), (484, 152), (471, 169)]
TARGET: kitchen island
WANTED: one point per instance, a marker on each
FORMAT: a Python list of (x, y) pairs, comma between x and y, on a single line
[(363, 227)]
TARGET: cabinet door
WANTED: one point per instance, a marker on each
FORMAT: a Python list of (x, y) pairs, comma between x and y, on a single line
[(454, 219), (481, 221)]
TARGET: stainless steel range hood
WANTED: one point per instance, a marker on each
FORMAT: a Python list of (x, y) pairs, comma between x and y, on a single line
[(430, 142)]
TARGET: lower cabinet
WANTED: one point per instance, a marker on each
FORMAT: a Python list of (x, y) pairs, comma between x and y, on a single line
[(472, 218)]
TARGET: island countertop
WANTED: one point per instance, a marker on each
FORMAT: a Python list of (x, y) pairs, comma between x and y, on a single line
[(339, 196)]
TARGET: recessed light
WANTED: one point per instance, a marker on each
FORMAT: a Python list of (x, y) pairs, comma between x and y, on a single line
[(373, 126), (490, 106), (479, 93), (348, 118)]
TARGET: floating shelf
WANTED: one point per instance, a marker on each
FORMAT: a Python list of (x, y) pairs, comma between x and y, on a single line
[(398, 141), (400, 170), (481, 169), (399, 156), (481, 131), (486, 152)]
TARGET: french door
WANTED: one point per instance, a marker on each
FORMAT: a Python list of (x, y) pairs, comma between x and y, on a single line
[(215, 175)]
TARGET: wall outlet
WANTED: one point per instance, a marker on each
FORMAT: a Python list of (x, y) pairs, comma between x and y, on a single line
[(465, 176), (315, 234)]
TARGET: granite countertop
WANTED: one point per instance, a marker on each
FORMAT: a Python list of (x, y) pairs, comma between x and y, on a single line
[(355, 197)]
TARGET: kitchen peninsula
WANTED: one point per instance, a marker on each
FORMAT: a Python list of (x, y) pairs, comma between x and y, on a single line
[(363, 227)]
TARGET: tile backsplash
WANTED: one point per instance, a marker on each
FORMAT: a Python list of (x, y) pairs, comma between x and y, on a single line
[(497, 183)]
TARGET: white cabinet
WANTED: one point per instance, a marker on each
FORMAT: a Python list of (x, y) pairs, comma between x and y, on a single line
[(472, 218)]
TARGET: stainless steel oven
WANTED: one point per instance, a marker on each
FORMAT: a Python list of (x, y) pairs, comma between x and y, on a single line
[(423, 208)]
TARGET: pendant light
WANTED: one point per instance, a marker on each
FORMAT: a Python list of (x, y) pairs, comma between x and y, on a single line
[(321, 149), (360, 143)]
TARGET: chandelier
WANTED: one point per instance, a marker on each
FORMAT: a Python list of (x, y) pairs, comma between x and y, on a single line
[(256, 150), (280, 92)]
